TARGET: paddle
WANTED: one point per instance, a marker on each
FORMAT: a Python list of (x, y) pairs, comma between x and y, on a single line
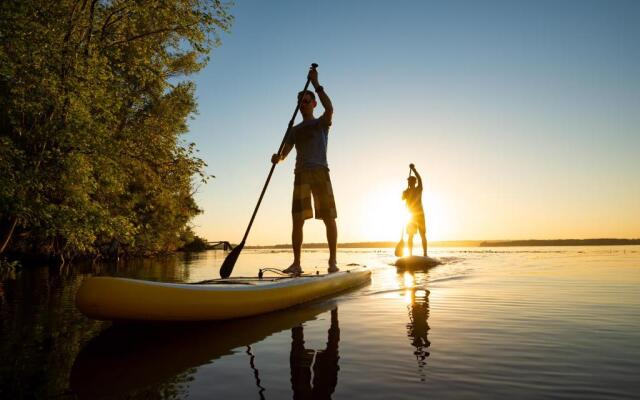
[(400, 245), (232, 257)]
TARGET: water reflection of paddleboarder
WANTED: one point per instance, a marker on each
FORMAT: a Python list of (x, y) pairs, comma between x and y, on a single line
[(418, 327), (418, 308), (413, 197), (314, 374)]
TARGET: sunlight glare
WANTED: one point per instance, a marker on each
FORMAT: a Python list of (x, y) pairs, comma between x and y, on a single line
[(408, 298), (408, 280), (441, 221), (384, 215)]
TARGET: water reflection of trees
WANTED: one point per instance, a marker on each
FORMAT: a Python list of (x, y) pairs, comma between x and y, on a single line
[(40, 331)]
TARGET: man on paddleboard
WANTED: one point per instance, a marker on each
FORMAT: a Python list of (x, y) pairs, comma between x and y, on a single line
[(413, 197), (310, 138)]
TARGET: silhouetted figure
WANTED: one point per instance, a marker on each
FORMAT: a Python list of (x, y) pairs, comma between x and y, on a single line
[(310, 138), (322, 383), (413, 197)]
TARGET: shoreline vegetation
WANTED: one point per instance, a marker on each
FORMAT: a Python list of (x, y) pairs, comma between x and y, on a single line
[(94, 102), (473, 243)]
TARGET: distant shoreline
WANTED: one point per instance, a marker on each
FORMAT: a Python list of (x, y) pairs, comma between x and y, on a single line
[(471, 243)]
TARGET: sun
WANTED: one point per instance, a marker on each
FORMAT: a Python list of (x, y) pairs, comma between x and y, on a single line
[(384, 215)]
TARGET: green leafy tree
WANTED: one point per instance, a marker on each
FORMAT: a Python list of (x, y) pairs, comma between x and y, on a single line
[(192, 242), (94, 96)]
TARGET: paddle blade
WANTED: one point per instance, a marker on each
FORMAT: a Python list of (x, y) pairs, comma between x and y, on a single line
[(400, 248), (230, 261)]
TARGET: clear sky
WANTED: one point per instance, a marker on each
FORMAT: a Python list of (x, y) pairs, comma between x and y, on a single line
[(522, 117)]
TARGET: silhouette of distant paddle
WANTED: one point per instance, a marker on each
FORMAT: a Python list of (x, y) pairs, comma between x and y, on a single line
[(400, 245), (232, 257)]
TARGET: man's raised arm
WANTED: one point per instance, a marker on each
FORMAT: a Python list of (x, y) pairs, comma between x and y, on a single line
[(413, 168), (322, 95)]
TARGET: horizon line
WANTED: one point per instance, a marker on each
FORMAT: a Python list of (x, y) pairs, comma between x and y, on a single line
[(476, 243)]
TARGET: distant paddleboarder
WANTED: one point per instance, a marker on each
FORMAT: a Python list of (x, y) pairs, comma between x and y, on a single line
[(310, 139), (413, 197)]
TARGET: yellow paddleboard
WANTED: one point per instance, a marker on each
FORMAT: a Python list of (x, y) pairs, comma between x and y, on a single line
[(109, 298)]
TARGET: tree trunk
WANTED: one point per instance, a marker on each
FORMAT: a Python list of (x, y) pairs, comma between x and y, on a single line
[(4, 241)]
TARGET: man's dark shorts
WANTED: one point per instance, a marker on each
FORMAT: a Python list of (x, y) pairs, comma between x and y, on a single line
[(416, 223), (314, 182)]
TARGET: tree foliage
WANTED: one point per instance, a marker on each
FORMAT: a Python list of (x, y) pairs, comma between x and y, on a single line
[(94, 96), (192, 242)]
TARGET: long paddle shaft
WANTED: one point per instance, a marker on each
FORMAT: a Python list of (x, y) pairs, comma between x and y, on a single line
[(230, 261)]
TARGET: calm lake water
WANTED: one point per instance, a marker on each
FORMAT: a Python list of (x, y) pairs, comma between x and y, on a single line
[(543, 322)]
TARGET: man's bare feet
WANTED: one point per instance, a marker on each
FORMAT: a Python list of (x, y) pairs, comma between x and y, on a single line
[(333, 267), (294, 269)]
